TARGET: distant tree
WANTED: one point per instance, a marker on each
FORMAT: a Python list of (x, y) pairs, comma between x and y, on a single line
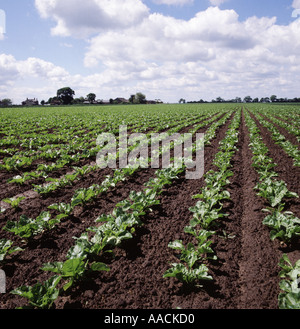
[(43, 102), (54, 101), (238, 100), (265, 100), (281, 100), (248, 99), (140, 98), (66, 95), (91, 97), (78, 100), (273, 98), (255, 100), (182, 101), (111, 101), (131, 99), (219, 100), (6, 102)]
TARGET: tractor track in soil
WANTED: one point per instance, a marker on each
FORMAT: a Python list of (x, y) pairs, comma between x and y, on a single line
[(258, 280)]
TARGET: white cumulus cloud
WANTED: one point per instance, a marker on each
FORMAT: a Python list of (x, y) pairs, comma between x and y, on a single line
[(31, 72), (213, 54), (165, 39), (8, 69), (296, 4), (81, 19)]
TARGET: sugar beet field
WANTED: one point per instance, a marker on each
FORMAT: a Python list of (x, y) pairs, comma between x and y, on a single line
[(73, 235)]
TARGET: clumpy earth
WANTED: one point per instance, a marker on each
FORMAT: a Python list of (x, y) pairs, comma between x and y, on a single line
[(245, 274)]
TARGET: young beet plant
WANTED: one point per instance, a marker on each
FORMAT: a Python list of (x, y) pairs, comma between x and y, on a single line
[(73, 269), (192, 270), (41, 295), (65, 209), (274, 191), (192, 267), (20, 179), (6, 248), (284, 225), (14, 202), (77, 265), (290, 297), (28, 227), (204, 215)]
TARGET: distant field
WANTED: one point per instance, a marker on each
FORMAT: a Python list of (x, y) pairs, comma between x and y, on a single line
[(149, 238)]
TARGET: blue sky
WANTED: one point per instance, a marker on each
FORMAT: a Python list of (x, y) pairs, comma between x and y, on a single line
[(185, 48)]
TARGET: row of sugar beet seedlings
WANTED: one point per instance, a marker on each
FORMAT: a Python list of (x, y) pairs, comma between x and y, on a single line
[(284, 224), (289, 148), (79, 173), (85, 255), (80, 147), (28, 227), (39, 145), (69, 179), (192, 267)]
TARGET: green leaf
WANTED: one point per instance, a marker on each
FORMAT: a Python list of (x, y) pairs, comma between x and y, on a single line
[(41, 295), (177, 245), (180, 272), (73, 267), (289, 301), (100, 267)]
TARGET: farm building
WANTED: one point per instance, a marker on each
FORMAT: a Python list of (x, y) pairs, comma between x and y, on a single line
[(30, 102)]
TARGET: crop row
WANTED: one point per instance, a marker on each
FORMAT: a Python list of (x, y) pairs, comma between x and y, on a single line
[(68, 179), (192, 267), (90, 151), (110, 181), (284, 224), (118, 226), (290, 149), (91, 249)]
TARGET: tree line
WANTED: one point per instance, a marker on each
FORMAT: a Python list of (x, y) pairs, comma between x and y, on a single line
[(248, 99), (65, 96)]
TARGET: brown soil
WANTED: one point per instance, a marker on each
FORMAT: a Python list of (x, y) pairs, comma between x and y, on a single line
[(245, 273)]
